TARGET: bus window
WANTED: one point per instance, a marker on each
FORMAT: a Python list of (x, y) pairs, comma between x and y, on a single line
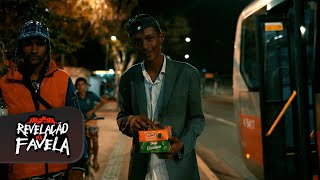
[(274, 62), (309, 37), (277, 64), (249, 59)]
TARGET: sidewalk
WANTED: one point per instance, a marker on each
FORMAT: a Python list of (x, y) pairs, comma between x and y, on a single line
[(114, 149)]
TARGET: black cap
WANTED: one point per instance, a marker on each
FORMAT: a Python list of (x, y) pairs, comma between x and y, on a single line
[(33, 29), (140, 22)]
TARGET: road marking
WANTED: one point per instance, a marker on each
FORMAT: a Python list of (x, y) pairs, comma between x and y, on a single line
[(221, 120), (206, 170)]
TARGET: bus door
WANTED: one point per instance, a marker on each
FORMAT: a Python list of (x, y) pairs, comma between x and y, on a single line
[(286, 93)]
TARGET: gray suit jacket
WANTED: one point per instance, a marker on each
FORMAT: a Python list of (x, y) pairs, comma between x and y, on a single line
[(181, 109)]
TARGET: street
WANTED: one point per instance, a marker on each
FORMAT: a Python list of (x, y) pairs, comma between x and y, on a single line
[(219, 142)]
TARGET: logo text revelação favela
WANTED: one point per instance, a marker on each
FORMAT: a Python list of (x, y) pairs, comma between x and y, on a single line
[(42, 133)]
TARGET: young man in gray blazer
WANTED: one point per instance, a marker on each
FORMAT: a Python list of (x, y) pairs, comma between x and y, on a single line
[(160, 92)]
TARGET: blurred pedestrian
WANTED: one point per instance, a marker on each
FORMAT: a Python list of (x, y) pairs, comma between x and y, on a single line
[(90, 103), (37, 84), (5, 60), (160, 92), (3, 167), (2, 58)]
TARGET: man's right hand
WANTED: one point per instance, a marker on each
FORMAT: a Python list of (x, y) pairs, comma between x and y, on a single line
[(140, 122)]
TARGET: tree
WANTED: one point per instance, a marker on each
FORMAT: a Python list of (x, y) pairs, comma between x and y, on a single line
[(74, 22), (71, 22), (176, 29)]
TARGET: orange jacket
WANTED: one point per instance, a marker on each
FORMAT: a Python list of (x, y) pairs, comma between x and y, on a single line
[(18, 99)]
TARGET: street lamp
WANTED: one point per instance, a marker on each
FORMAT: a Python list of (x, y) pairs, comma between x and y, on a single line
[(187, 39), (113, 38), (302, 30), (186, 56)]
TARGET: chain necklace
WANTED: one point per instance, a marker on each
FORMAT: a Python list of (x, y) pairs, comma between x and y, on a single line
[(35, 85)]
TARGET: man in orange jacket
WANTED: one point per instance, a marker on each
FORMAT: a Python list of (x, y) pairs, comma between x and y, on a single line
[(37, 84)]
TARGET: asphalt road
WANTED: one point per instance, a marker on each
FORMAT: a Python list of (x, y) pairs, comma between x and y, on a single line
[(219, 143)]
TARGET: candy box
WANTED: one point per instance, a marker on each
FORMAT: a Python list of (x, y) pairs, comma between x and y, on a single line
[(154, 147), (154, 141)]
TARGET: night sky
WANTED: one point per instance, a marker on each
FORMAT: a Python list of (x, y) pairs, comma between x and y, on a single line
[(213, 24)]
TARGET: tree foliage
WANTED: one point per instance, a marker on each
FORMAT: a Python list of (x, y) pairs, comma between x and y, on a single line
[(74, 22), (176, 29), (71, 22)]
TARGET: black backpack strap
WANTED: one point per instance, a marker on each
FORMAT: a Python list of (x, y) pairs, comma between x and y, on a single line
[(36, 98)]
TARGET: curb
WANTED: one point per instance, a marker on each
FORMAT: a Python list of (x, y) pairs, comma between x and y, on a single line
[(226, 99), (205, 169), (219, 167)]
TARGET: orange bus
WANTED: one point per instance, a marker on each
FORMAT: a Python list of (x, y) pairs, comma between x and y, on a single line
[(276, 88)]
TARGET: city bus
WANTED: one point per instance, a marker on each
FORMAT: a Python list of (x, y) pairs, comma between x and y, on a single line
[(276, 88)]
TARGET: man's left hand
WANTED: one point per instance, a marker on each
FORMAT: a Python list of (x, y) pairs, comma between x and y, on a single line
[(89, 114), (176, 147), (75, 174)]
